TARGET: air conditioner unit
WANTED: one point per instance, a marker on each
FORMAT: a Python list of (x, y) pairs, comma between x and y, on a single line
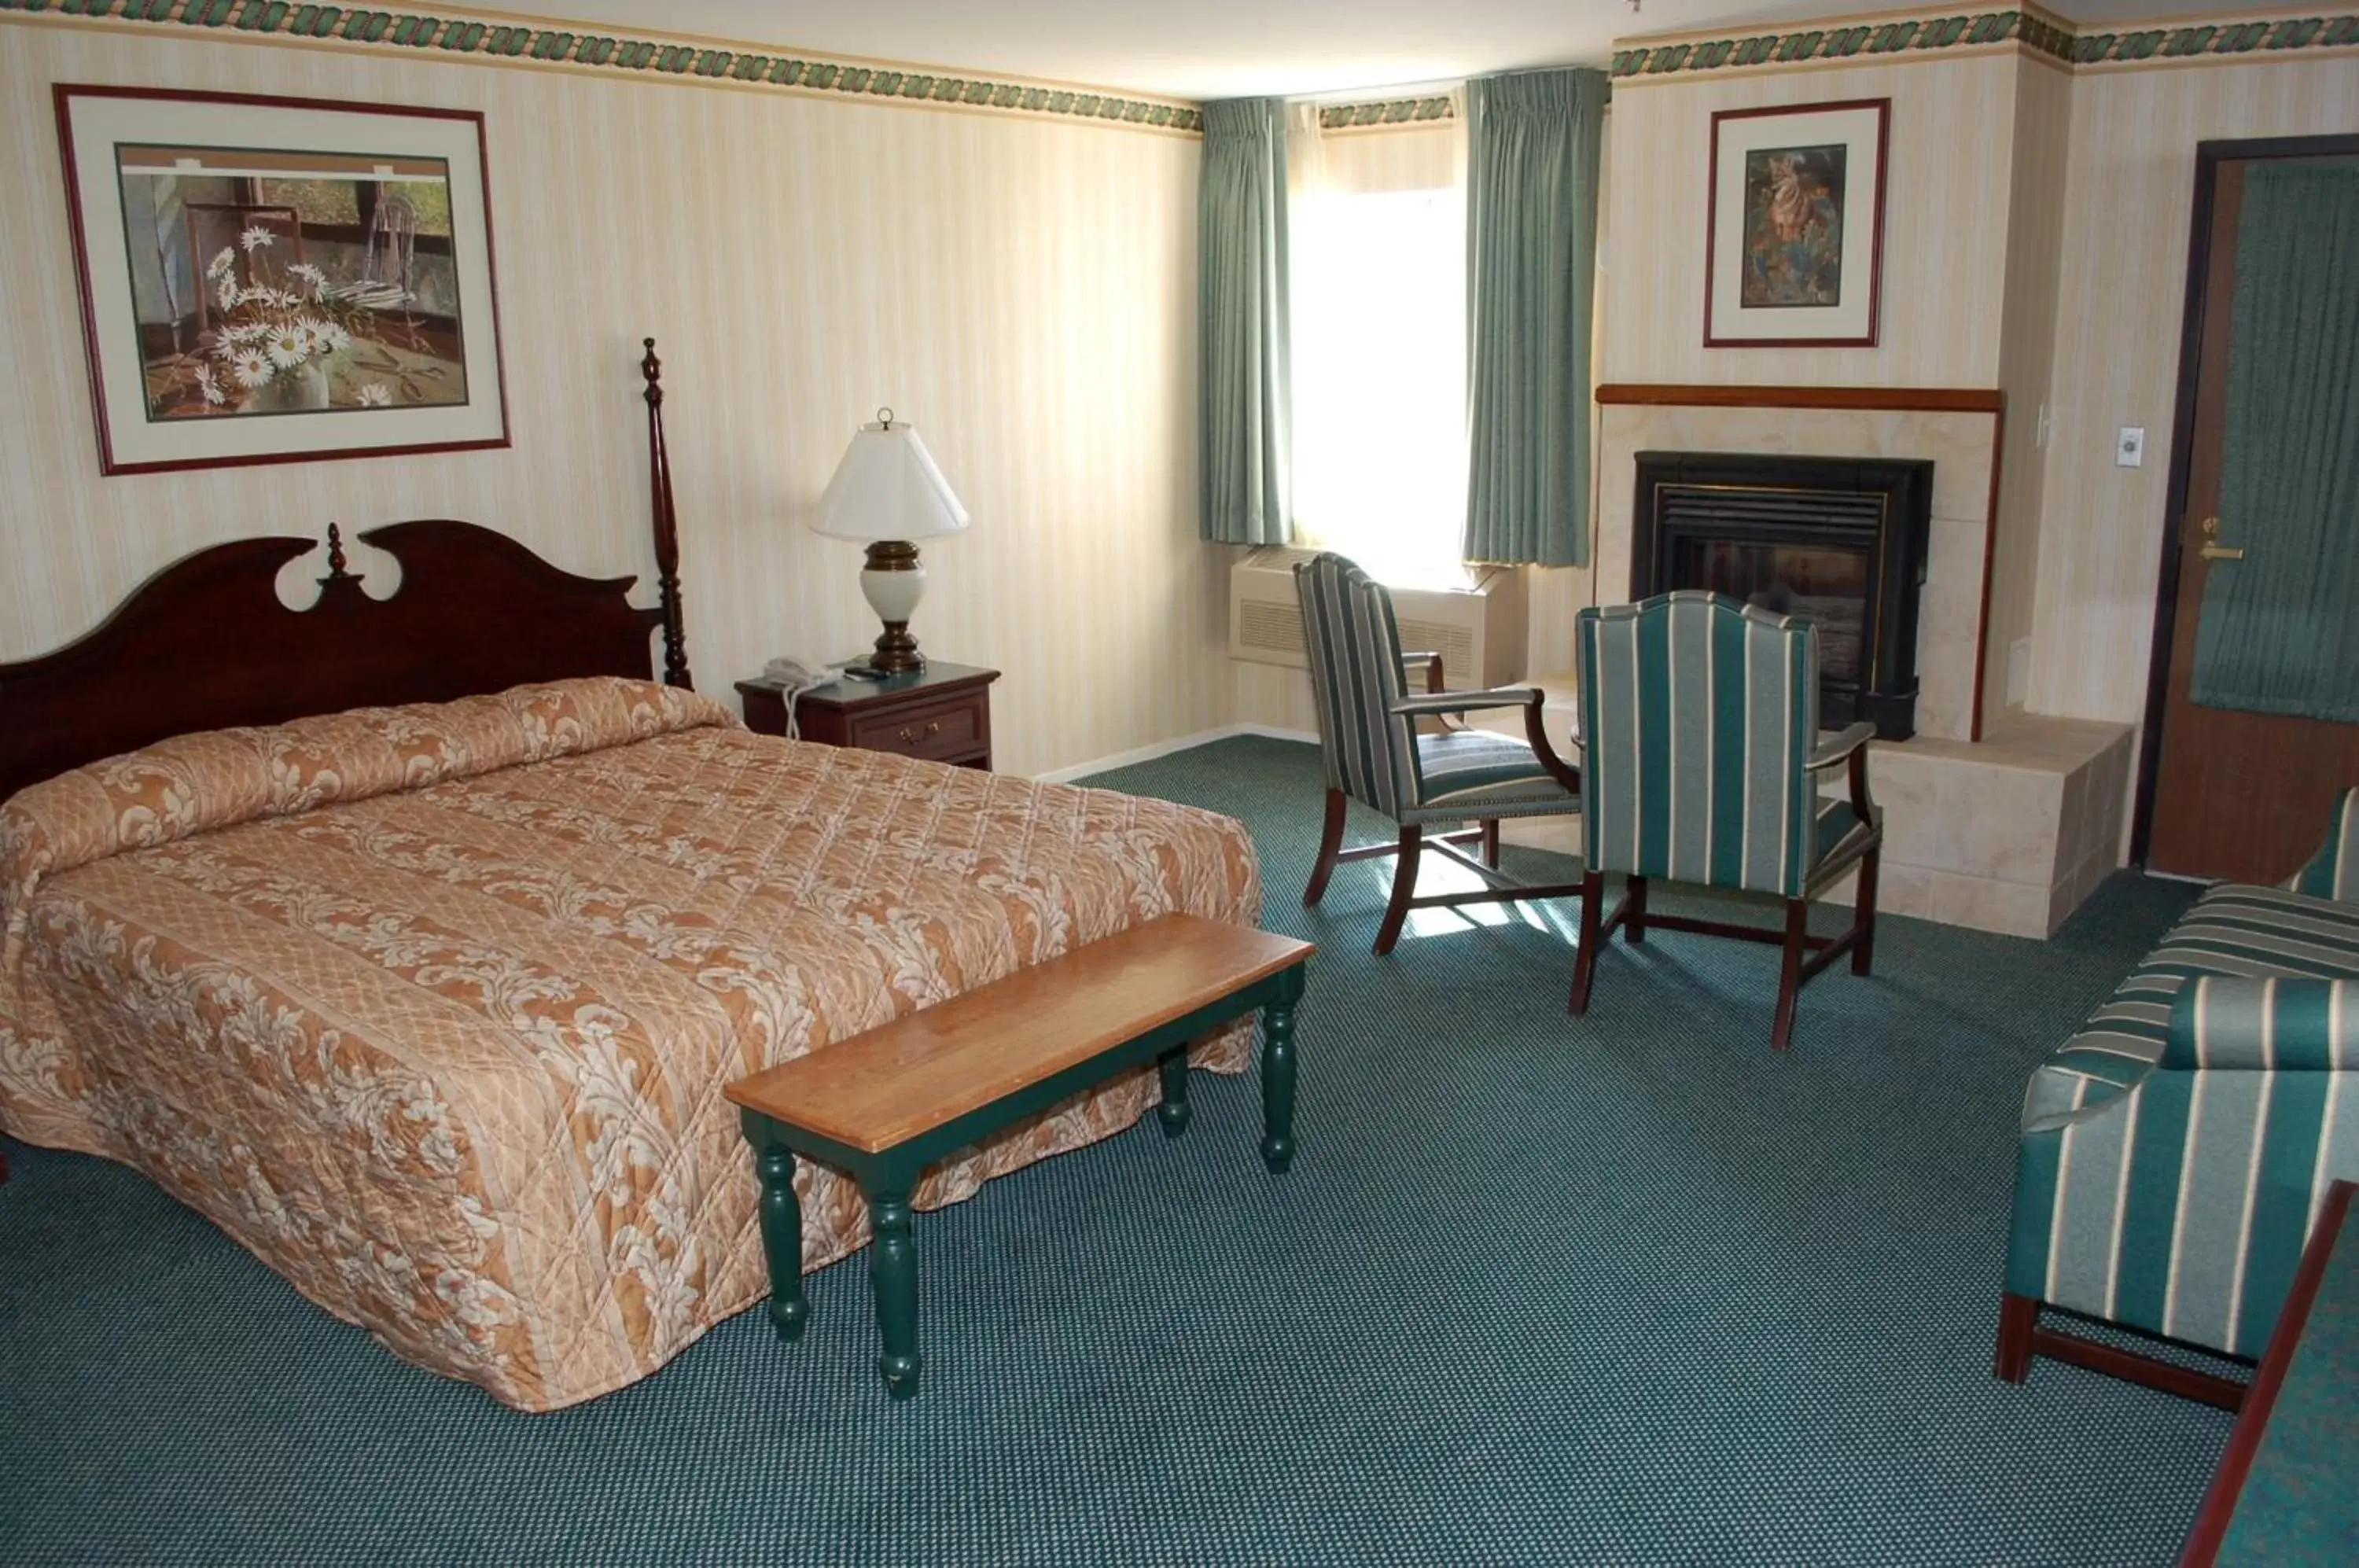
[(1478, 630)]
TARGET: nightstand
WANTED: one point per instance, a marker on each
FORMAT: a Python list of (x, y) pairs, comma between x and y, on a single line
[(941, 713)]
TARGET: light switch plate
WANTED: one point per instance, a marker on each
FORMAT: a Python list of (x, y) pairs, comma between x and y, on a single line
[(2130, 451)]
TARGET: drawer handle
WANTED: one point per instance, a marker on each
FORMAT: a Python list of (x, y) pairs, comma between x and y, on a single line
[(910, 733)]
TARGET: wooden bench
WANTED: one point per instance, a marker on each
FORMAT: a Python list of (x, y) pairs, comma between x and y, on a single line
[(885, 1105)]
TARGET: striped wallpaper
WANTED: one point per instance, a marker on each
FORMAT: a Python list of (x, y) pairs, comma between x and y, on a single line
[(1945, 229), (1022, 289), (2129, 197)]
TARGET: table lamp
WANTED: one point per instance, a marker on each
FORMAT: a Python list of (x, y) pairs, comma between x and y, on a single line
[(889, 491)]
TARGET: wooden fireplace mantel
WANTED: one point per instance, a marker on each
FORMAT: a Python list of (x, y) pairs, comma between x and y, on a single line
[(1987, 400), (1903, 399)]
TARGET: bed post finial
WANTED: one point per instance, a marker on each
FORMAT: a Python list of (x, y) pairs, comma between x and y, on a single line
[(666, 526), (336, 563)]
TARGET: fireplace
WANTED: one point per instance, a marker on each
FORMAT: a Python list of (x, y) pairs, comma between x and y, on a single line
[(1841, 541)]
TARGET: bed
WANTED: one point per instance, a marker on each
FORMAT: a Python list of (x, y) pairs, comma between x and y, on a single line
[(412, 940)]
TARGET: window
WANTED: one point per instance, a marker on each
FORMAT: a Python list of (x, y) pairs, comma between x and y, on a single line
[(1378, 286)]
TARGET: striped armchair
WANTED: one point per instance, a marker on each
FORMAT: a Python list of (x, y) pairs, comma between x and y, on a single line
[(1699, 726), (1377, 753), (2174, 1153)]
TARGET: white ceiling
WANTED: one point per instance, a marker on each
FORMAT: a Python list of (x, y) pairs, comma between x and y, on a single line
[(1222, 48)]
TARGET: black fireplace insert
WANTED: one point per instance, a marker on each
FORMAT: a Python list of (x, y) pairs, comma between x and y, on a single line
[(1842, 542)]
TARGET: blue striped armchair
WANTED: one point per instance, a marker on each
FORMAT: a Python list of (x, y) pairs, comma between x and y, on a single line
[(1376, 751), (1702, 755), (2174, 1153)]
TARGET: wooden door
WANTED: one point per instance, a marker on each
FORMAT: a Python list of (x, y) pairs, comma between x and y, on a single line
[(2225, 793)]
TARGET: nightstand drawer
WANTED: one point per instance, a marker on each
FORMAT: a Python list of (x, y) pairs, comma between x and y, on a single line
[(938, 730)]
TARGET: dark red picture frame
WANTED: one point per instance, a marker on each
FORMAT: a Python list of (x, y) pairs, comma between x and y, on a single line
[(63, 95), (1882, 107)]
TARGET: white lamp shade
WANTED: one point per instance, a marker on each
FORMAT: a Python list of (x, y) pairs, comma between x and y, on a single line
[(889, 487)]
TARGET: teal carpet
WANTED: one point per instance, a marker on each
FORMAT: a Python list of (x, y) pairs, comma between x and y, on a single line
[(1623, 1290)]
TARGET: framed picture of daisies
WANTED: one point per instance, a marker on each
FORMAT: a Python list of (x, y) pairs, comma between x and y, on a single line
[(280, 280)]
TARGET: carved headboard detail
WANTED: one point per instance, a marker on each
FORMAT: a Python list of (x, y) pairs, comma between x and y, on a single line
[(207, 644)]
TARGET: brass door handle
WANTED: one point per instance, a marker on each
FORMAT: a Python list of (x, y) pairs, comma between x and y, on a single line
[(910, 733), (2215, 551)]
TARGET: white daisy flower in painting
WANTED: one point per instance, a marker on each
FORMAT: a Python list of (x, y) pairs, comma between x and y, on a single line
[(315, 336), (209, 386), (252, 332), (312, 275), (289, 347), (256, 238), (251, 368), (338, 338), (219, 267), (375, 395), (227, 294)]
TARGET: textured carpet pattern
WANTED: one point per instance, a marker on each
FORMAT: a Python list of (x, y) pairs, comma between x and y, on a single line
[(1629, 1289)]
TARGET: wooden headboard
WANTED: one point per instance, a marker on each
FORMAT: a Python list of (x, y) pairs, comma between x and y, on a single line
[(206, 644)]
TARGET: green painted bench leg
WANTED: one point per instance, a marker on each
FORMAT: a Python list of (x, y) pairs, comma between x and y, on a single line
[(1277, 1085), (1175, 1110), (893, 1280), (782, 1240)]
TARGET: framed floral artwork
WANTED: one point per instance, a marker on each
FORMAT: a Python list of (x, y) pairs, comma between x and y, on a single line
[(280, 280), (1794, 225)]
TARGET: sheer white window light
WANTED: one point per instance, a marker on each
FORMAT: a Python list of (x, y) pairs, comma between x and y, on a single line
[(1378, 236)]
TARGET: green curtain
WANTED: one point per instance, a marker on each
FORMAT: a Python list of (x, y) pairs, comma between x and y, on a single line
[(1245, 486), (2279, 630), (1532, 262)]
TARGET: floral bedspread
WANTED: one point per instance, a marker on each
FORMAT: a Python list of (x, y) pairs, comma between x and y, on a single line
[(431, 1008)]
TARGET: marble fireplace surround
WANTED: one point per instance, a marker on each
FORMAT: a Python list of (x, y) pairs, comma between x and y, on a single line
[(1957, 430), (2001, 826)]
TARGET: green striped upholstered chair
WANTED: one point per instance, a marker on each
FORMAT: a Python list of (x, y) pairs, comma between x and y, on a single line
[(2174, 1153), (1701, 756), (1376, 752)]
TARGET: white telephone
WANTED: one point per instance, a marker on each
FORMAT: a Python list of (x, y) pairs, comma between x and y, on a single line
[(794, 671), (798, 675)]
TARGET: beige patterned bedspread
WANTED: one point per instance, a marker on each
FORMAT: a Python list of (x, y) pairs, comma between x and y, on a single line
[(431, 1008)]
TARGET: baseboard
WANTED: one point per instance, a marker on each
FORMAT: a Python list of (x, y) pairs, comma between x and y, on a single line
[(1166, 748)]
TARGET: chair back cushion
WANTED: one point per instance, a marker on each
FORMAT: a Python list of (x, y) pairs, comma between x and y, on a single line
[(1355, 678), (1698, 716)]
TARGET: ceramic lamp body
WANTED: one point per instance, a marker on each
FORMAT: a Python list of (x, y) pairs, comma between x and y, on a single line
[(893, 582)]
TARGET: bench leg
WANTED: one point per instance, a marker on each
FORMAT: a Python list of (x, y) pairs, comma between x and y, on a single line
[(1278, 1086), (893, 1280), (782, 1240), (1175, 1110)]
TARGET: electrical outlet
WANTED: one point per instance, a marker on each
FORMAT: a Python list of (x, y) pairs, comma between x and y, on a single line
[(2129, 449)]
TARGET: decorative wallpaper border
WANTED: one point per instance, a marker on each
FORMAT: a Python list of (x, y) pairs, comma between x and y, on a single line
[(2034, 29), (387, 31), (1388, 111), (393, 32), (2271, 35)]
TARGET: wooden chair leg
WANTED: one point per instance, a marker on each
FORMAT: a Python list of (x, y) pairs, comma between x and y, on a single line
[(1331, 844), (1585, 958), (1412, 838), (2018, 1316), (1790, 974), (1491, 842), (1634, 912), (1863, 953)]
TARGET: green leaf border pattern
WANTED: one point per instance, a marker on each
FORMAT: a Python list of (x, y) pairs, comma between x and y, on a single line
[(2032, 29), (392, 31), (406, 31)]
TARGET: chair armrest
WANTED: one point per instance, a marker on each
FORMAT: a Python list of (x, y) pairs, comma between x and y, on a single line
[(1834, 748), (1430, 702), (1432, 662), (2233, 1023), (2334, 871)]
